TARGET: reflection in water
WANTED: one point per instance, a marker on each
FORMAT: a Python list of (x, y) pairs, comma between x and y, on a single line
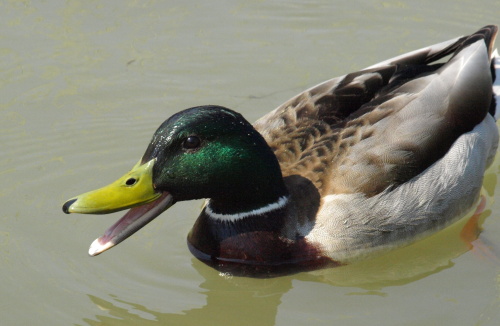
[(245, 301), (224, 306)]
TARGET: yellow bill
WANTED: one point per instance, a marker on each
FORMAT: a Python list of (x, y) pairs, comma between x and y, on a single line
[(134, 189)]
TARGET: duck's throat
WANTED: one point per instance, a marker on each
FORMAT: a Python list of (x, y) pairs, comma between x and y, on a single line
[(214, 232)]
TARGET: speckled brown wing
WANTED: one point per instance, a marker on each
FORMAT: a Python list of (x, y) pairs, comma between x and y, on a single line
[(379, 127)]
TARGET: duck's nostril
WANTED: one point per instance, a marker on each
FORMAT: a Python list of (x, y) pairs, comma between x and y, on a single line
[(67, 205), (131, 182)]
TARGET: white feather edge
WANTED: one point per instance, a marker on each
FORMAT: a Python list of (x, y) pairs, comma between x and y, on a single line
[(496, 85)]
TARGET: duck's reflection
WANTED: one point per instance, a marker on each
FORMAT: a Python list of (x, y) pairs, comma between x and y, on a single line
[(236, 301)]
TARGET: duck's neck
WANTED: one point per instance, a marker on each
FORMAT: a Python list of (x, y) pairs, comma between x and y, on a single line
[(255, 197), (219, 234)]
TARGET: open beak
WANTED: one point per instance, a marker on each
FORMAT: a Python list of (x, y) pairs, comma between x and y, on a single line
[(135, 189)]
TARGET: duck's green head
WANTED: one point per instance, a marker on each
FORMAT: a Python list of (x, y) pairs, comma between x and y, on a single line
[(202, 152)]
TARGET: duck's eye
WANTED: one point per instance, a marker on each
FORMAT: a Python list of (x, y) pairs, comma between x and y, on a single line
[(191, 142)]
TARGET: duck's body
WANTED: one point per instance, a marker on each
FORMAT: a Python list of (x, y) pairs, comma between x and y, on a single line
[(359, 164)]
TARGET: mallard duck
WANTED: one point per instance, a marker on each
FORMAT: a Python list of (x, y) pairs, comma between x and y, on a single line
[(355, 166)]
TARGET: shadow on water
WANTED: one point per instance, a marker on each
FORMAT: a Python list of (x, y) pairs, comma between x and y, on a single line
[(246, 301)]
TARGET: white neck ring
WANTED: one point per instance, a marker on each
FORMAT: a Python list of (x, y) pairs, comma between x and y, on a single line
[(280, 203)]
